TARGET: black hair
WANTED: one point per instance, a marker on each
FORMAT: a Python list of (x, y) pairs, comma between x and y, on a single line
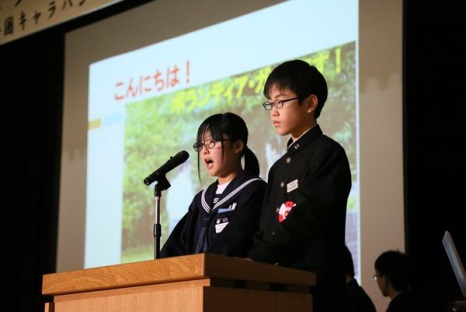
[(394, 265), (234, 127), (301, 78)]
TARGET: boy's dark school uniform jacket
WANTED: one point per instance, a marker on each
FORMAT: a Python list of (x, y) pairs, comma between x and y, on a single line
[(228, 227), (304, 215)]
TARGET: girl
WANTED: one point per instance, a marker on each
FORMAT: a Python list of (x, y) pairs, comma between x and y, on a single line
[(222, 218)]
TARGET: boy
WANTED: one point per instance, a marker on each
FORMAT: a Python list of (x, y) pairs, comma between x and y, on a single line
[(304, 212), (392, 273)]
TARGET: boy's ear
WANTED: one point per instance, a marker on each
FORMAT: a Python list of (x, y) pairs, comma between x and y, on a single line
[(311, 102)]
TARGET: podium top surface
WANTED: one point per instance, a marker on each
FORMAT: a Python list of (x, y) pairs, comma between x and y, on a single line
[(183, 268)]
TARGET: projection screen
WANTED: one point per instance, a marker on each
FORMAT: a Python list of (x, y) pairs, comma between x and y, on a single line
[(138, 84)]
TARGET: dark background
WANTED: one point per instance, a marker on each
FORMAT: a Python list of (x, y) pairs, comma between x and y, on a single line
[(434, 125)]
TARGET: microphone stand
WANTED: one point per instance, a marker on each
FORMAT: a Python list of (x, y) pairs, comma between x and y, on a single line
[(161, 185)]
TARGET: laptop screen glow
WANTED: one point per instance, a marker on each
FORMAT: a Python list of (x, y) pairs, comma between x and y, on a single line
[(455, 261)]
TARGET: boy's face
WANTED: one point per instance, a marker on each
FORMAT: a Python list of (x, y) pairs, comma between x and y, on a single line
[(292, 118)]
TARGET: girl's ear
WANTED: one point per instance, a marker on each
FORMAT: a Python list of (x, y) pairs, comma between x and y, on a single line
[(239, 146)]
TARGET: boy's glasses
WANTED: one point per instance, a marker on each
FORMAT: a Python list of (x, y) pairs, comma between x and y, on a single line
[(277, 104), (209, 144)]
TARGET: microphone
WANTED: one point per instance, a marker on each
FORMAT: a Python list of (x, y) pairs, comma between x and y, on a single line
[(173, 162)]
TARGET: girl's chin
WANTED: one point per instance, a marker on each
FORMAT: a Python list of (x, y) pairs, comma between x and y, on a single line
[(211, 171)]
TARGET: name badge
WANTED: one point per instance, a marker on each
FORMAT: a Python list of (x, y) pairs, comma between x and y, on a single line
[(221, 224), (293, 185)]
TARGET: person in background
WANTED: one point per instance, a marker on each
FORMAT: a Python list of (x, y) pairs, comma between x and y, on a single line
[(393, 276), (357, 300), (304, 212), (223, 217)]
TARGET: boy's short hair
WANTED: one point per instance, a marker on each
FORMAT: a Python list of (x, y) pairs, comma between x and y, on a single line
[(301, 78), (394, 265)]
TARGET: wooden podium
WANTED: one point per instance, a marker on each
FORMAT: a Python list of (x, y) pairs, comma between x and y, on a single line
[(201, 282)]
